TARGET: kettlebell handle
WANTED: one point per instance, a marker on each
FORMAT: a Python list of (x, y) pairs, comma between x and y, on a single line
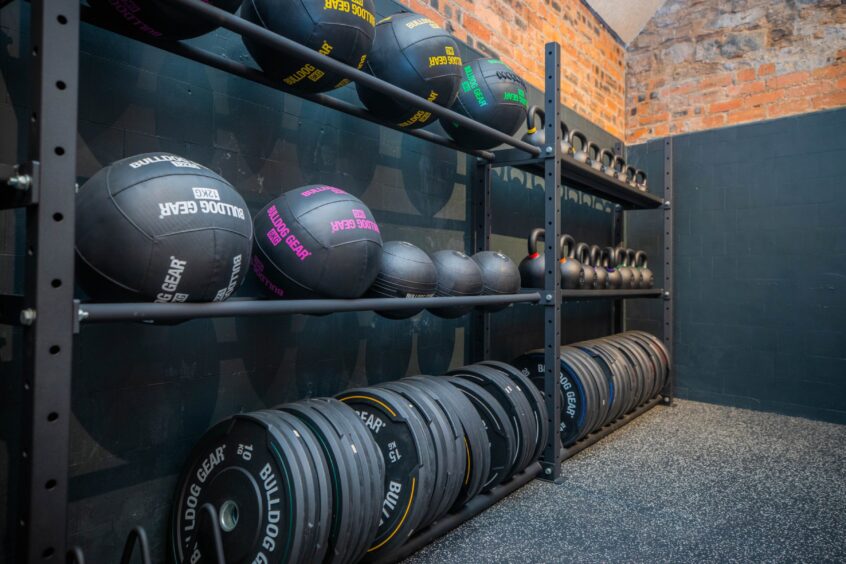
[(621, 161), (583, 253), (618, 256), (536, 234), (568, 241), (609, 258), (610, 162), (595, 255), (641, 260), (534, 113), (576, 134), (594, 151), (630, 257)]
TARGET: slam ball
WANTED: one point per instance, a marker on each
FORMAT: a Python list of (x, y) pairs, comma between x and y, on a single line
[(158, 18), (492, 94), (406, 272), (499, 276), (158, 227), (414, 53), (316, 241), (458, 275), (340, 29)]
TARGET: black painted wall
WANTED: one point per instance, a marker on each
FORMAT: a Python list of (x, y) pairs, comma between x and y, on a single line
[(142, 395), (760, 269)]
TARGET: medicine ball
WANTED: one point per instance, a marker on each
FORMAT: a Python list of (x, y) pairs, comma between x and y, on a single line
[(499, 276), (407, 272), (340, 29), (492, 94), (316, 241), (160, 227), (159, 18), (414, 53), (458, 275)]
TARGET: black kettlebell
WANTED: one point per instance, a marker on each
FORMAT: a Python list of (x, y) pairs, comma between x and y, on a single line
[(583, 256), (637, 279), (609, 261), (581, 154), (640, 181), (532, 267), (599, 270), (595, 156), (606, 157), (631, 173), (619, 167), (626, 275), (566, 145), (572, 273), (641, 263), (534, 131)]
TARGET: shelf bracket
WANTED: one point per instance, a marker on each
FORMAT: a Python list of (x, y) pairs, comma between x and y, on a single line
[(19, 185)]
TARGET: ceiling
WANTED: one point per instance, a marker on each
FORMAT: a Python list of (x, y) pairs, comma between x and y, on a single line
[(626, 17)]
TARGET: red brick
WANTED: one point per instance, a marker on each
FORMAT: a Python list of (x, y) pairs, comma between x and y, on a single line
[(726, 106), (788, 79), (766, 69), (745, 115), (714, 120), (788, 108), (746, 75), (834, 100)]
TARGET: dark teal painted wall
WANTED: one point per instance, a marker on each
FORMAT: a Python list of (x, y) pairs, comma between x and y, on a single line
[(760, 263)]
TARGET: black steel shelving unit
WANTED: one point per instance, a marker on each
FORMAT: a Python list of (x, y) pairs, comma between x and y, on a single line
[(45, 186)]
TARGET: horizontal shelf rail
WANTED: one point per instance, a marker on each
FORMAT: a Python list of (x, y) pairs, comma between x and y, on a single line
[(584, 178), (592, 438), (475, 506), (575, 295), (112, 312)]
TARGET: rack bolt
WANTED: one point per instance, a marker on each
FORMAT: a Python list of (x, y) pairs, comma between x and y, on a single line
[(666, 204), (82, 314), (547, 471), (666, 295), (549, 297), (19, 182), (548, 150), (27, 316)]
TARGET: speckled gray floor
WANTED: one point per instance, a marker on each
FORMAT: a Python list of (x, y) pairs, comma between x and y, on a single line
[(693, 482)]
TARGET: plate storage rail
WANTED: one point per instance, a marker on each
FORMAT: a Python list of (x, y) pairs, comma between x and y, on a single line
[(50, 317)]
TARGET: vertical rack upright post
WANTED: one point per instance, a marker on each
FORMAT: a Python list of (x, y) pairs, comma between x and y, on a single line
[(667, 252), (49, 282), (551, 298), (480, 344)]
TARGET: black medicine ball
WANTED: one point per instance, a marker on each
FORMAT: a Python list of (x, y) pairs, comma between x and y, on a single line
[(316, 241), (158, 227), (158, 18), (458, 276), (414, 53), (407, 272), (340, 29), (499, 275), (492, 94)]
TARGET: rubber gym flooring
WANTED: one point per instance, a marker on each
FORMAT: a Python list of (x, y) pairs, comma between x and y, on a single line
[(692, 482)]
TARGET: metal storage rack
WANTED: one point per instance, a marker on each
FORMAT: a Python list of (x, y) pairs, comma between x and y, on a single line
[(44, 185)]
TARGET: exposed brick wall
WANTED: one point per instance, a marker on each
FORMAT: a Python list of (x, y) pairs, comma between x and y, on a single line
[(701, 64), (592, 60)]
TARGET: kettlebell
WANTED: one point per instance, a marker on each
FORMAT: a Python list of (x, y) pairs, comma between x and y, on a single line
[(594, 156), (646, 275), (631, 172), (637, 279), (581, 154), (572, 273), (606, 157), (626, 275), (609, 261), (532, 267), (535, 132), (566, 145), (599, 271), (583, 256), (640, 180), (620, 168)]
